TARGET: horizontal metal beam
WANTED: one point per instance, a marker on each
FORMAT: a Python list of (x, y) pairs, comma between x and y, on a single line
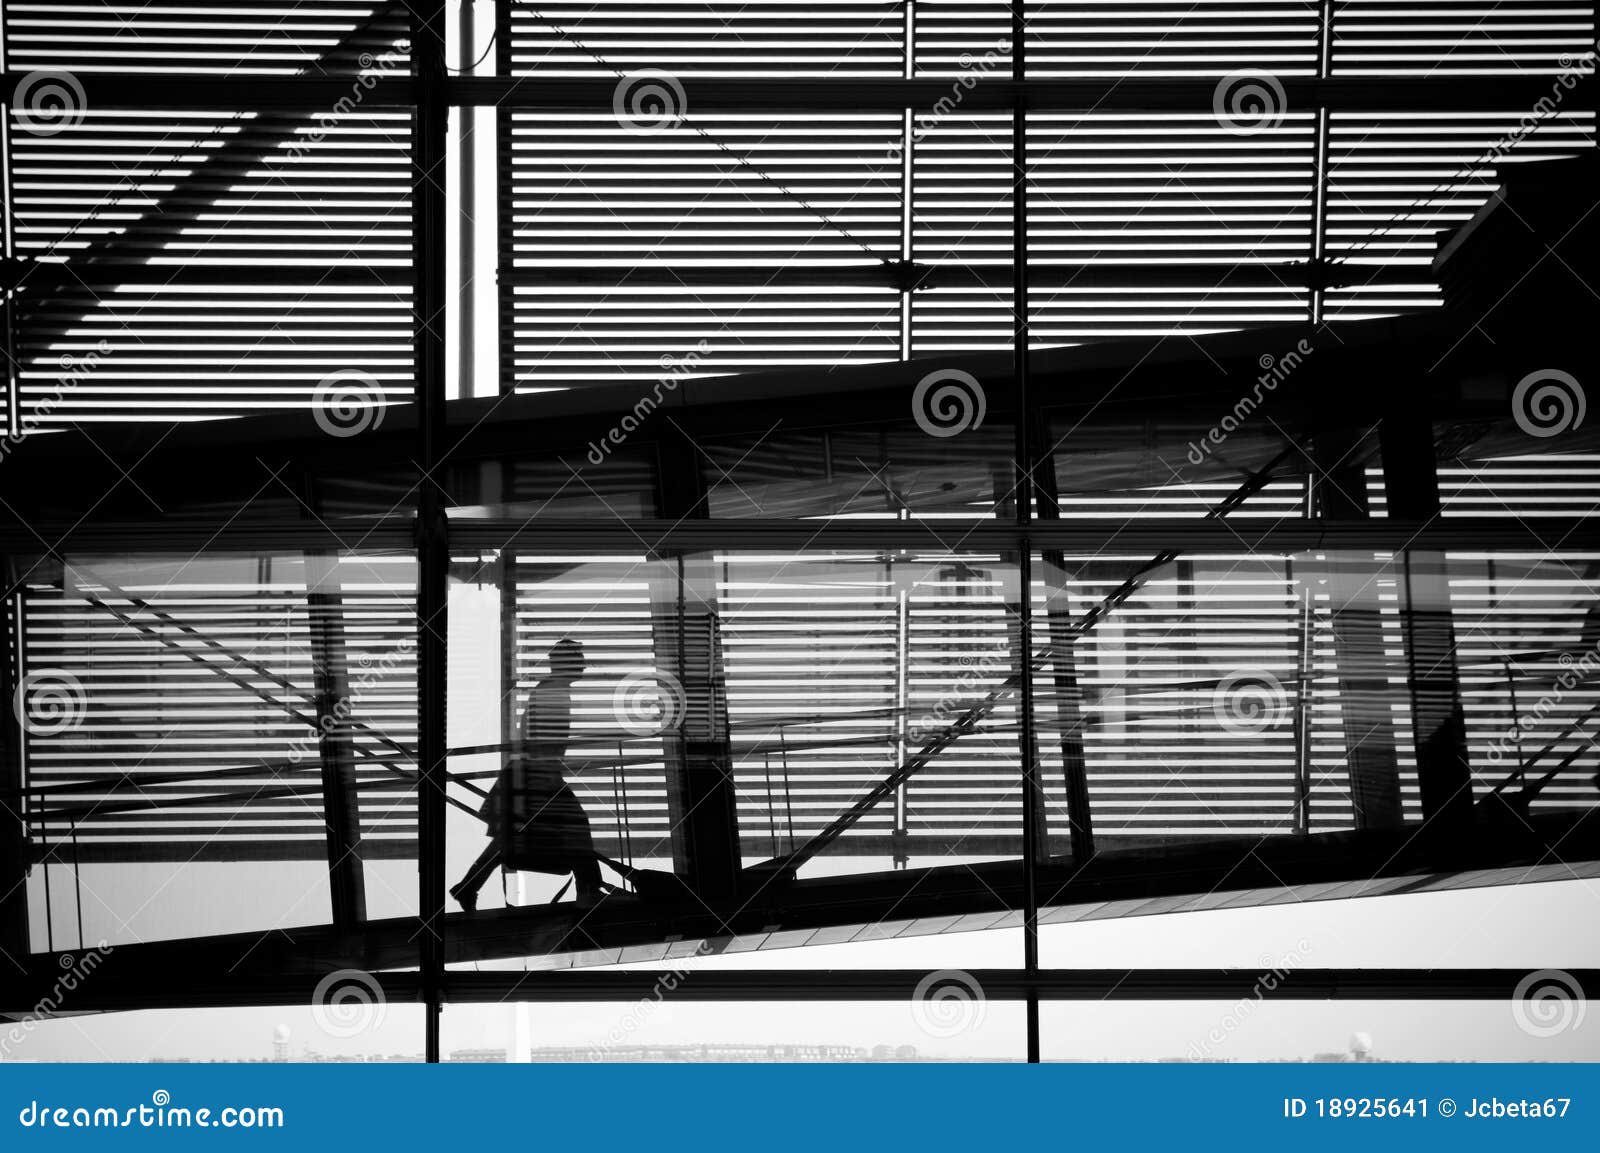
[(1285, 983), (1041, 276), (1225, 872), (997, 93), (389, 534), (1091, 538), (46, 277), (109, 91), (1113, 537), (95, 993), (59, 849), (104, 91), (1085, 389)]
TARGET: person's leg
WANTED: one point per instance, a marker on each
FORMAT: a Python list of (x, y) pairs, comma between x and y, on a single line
[(466, 890), (586, 871), (568, 838)]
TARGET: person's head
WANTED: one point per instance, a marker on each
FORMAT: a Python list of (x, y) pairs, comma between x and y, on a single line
[(566, 659)]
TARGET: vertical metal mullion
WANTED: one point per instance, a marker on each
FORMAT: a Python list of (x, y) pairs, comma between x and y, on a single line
[(907, 170), (1302, 700), (15, 843), (466, 204), (1325, 41), (510, 644), (505, 293), (1319, 218), (902, 702), (906, 229), (13, 387), (430, 120), (1319, 172), (1024, 447), (1031, 797)]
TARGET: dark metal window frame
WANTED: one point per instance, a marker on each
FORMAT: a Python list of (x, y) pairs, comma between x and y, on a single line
[(429, 93)]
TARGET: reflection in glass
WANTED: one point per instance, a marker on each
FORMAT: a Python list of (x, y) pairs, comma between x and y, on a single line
[(1255, 695), (741, 716), (216, 743)]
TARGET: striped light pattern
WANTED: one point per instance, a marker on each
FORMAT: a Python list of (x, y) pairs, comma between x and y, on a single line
[(756, 203), (788, 221), (230, 262), (834, 669), (194, 722), (187, 37)]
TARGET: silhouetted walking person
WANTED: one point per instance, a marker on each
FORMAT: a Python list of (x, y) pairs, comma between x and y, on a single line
[(535, 820)]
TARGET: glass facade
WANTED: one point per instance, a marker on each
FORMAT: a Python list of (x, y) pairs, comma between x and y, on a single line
[(929, 472)]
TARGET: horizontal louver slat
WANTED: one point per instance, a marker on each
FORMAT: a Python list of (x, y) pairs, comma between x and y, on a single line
[(185, 674), (1461, 37), (709, 38), (186, 37), (211, 264)]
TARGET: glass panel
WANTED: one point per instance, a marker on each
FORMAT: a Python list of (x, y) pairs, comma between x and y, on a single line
[(1249, 1029), (1255, 694), (949, 467), (1157, 465), (659, 1030), (925, 447), (721, 720), (203, 734), (1527, 636), (1176, 712), (1540, 930), (374, 1029)]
